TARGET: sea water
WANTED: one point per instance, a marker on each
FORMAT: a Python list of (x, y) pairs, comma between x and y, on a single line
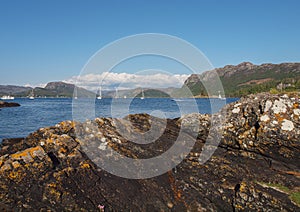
[(43, 112)]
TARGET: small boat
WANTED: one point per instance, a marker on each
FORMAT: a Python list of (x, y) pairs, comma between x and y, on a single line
[(116, 95), (75, 93), (7, 97), (99, 93), (31, 96), (143, 96), (220, 97)]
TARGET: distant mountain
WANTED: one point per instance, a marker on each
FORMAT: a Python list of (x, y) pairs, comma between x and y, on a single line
[(13, 90), (64, 89), (247, 78), (52, 89)]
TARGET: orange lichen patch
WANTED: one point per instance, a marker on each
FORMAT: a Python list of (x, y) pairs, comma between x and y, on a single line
[(38, 165), (59, 175), (239, 207), (56, 194), (279, 117), (67, 125), (51, 185), (293, 173), (62, 150), (296, 105), (15, 164), (52, 138), (5, 167), (19, 155), (73, 154), (1, 162), (16, 175), (49, 140), (297, 174), (195, 163), (68, 171), (243, 187), (176, 191), (27, 154), (13, 175), (85, 165)]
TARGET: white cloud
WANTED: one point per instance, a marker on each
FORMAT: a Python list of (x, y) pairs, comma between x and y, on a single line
[(110, 80), (41, 85)]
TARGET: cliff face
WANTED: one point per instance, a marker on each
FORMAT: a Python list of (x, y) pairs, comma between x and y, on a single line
[(255, 167), (246, 78)]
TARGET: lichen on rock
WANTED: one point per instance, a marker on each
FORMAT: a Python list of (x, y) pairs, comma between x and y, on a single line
[(51, 170)]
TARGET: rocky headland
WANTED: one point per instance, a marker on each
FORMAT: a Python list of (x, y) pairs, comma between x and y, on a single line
[(8, 104), (247, 78), (255, 167)]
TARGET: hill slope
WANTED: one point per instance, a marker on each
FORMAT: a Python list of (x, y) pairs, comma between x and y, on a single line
[(13, 89), (247, 78), (52, 89), (65, 89)]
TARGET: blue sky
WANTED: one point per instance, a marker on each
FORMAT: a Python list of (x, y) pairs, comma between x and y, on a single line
[(43, 41)]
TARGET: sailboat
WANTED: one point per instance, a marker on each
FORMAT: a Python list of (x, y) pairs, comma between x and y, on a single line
[(143, 96), (31, 96), (75, 93), (99, 93), (220, 97), (116, 95)]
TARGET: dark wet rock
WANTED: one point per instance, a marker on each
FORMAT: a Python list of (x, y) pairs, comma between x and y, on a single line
[(9, 104), (255, 167)]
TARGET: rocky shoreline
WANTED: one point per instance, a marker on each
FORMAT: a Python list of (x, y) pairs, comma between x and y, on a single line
[(9, 104), (255, 167)]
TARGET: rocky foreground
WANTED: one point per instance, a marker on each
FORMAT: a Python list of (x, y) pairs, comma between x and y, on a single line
[(255, 167), (8, 104)]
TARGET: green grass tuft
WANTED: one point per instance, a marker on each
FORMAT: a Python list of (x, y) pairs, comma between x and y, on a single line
[(278, 186), (295, 197)]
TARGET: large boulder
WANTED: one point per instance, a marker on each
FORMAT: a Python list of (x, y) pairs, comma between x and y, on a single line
[(8, 104), (255, 167), (265, 124)]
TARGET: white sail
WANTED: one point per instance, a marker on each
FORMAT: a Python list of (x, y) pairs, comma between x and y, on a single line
[(143, 96), (75, 93), (99, 93), (116, 95), (31, 96)]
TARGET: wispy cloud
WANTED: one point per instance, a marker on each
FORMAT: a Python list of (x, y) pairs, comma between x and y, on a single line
[(110, 80)]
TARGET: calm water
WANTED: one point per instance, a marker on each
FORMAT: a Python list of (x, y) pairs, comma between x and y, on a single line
[(34, 114)]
